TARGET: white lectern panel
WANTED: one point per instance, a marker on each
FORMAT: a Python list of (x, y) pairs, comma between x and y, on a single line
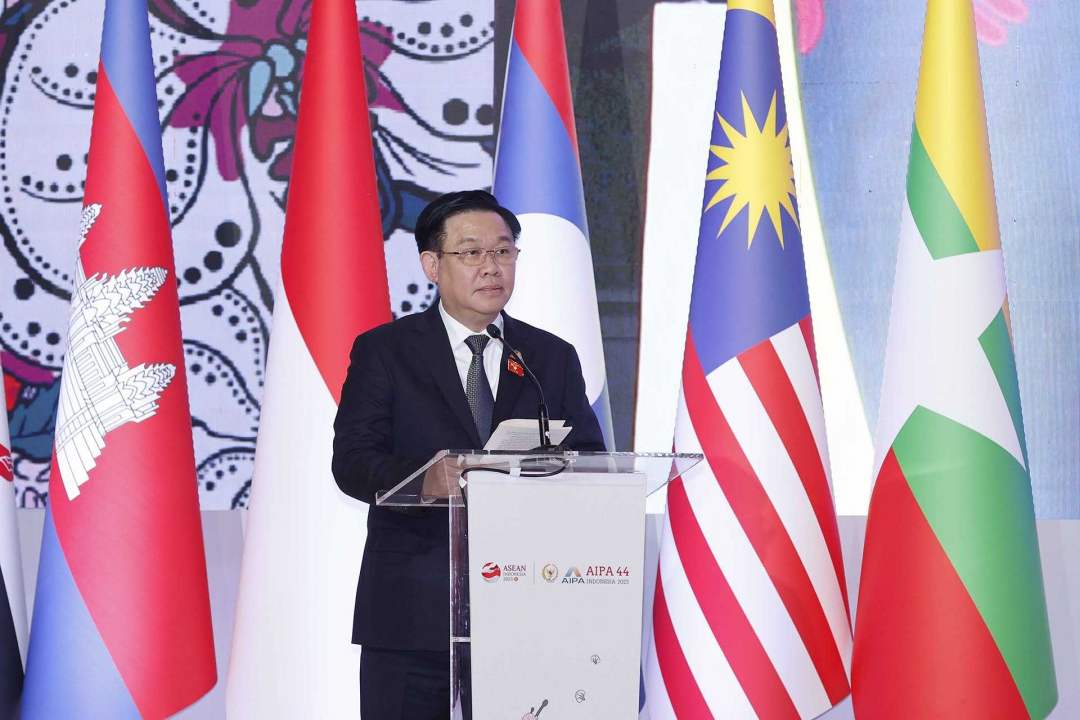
[(556, 592)]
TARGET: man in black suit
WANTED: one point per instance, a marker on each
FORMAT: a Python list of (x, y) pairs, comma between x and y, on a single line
[(428, 382)]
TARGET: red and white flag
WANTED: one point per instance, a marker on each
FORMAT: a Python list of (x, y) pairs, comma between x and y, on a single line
[(292, 655), (13, 627)]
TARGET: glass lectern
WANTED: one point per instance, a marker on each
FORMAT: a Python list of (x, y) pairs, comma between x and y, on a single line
[(547, 613)]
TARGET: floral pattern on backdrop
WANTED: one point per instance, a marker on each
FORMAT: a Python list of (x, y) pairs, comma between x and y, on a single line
[(229, 78)]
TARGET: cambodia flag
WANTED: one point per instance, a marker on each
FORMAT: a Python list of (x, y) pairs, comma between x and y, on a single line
[(538, 176), (122, 611)]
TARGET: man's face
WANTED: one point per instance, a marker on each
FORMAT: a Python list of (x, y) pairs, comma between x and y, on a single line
[(473, 296)]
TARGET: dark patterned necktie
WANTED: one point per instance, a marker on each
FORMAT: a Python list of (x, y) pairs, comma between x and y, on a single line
[(477, 389)]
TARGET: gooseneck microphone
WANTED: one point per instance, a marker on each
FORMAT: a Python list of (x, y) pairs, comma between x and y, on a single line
[(545, 429)]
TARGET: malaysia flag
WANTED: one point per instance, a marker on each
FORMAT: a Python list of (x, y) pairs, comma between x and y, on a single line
[(538, 177), (750, 616), (122, 612)]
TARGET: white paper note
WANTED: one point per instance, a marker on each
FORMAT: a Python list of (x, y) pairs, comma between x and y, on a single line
[(524, 434)]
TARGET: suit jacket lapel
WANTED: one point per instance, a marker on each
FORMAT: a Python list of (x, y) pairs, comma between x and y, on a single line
[(510, 383), (434, 348)]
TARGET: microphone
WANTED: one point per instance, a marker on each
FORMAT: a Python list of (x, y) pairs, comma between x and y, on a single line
[(545, 429)]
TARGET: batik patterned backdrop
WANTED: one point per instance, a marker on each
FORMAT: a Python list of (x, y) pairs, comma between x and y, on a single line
[(229, 73)]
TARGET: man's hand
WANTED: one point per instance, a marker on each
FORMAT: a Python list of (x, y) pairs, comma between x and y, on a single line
[(441, 480)]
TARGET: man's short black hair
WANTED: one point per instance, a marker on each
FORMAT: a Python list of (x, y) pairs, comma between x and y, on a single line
[(431, 224)]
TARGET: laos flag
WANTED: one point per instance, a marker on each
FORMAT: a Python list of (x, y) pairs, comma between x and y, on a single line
[(538, 177), (121, 623)]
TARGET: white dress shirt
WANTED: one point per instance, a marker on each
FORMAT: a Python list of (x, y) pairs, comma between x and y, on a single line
[(493, 351)]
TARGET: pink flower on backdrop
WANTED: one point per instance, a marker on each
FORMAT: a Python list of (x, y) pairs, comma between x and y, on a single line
[(992, 18), (254, 78), (810, 21)]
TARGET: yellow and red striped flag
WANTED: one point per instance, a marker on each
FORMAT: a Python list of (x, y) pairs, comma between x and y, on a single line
[(952, 614)]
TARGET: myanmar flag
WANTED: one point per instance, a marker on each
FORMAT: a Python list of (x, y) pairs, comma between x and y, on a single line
[(951, 615)]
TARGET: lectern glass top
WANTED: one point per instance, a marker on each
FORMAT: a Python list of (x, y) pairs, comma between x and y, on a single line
[(439, 481)]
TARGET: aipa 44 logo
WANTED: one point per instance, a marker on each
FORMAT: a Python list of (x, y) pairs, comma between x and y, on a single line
[(597, 575)]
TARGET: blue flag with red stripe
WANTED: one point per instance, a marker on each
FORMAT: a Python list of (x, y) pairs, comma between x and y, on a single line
[(121, 623), (538, 177)]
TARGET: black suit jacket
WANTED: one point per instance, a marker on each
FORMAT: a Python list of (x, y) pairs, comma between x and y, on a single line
[(401, 403)]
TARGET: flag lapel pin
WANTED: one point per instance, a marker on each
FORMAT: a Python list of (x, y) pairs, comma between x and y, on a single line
[(515, 367)]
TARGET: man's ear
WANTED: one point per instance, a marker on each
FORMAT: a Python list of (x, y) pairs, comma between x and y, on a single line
[(430, 262)]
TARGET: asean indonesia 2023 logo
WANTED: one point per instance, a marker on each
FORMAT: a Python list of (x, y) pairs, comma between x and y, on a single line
[(491, 572)]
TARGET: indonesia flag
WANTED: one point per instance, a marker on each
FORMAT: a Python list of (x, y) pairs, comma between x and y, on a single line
[(292, 655), (538, 177), (122, 611), (13, 628), (750, 613)]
